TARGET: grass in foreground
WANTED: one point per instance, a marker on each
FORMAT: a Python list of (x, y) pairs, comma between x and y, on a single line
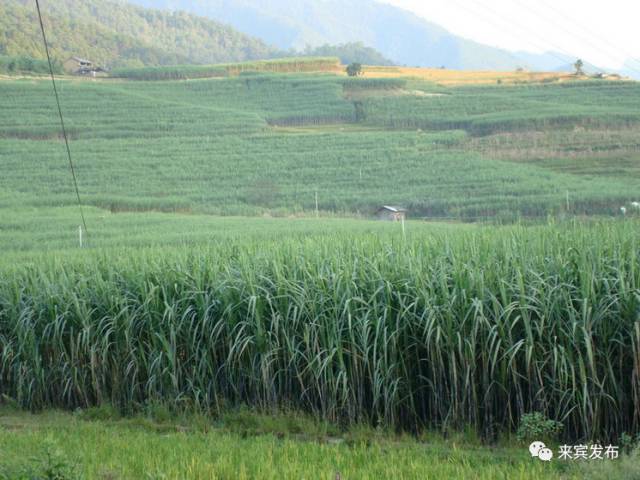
[(242, 446)]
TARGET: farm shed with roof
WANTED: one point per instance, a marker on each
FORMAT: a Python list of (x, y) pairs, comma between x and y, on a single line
[(392, 214)]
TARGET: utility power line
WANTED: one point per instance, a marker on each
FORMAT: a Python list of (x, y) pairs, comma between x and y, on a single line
[(604, 39), (588, 39), (510, 22), (62, 125), (487, 13)]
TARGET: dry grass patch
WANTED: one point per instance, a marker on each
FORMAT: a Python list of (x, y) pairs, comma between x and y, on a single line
[(461, 77)]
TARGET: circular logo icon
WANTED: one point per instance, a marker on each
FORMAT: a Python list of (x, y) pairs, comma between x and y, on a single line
[(535, 448), (545, 454)]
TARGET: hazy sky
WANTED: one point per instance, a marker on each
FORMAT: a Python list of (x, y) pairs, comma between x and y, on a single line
[(604, 32)]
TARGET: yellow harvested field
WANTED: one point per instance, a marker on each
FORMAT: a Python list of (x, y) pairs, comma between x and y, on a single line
[(462, 77)]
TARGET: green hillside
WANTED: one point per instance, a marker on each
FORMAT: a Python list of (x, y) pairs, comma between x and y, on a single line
[(262, 143), (114, 33)]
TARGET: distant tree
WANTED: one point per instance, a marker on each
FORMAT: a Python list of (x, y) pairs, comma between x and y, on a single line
[(578, 66), (350, 53), (354, 69)]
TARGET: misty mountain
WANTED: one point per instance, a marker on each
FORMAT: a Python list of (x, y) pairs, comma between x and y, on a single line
[(399, 35), (631, 68), (548, 61)]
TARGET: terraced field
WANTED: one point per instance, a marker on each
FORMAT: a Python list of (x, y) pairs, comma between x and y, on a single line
[(258, 144)]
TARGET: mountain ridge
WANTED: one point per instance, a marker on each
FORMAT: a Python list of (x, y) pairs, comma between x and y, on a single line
[(396, 33)]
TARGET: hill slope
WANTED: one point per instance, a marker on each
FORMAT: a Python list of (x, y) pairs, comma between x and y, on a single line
[(118, 34), (398, 34), (256, 144)]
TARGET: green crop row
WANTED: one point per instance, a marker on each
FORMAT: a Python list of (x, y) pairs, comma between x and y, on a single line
[(487, 110), (24, 64), (184, 72), (268, 142), (407, 333)]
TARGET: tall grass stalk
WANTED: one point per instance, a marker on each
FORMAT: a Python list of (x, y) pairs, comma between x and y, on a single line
[(472, 329)]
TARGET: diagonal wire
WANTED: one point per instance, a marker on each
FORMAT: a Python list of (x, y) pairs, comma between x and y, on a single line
[(480, 10), (519, 27), (593, 40), (62, 125), (591, 34)]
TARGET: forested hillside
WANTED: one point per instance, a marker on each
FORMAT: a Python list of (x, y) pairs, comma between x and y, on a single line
[(115, 34)]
